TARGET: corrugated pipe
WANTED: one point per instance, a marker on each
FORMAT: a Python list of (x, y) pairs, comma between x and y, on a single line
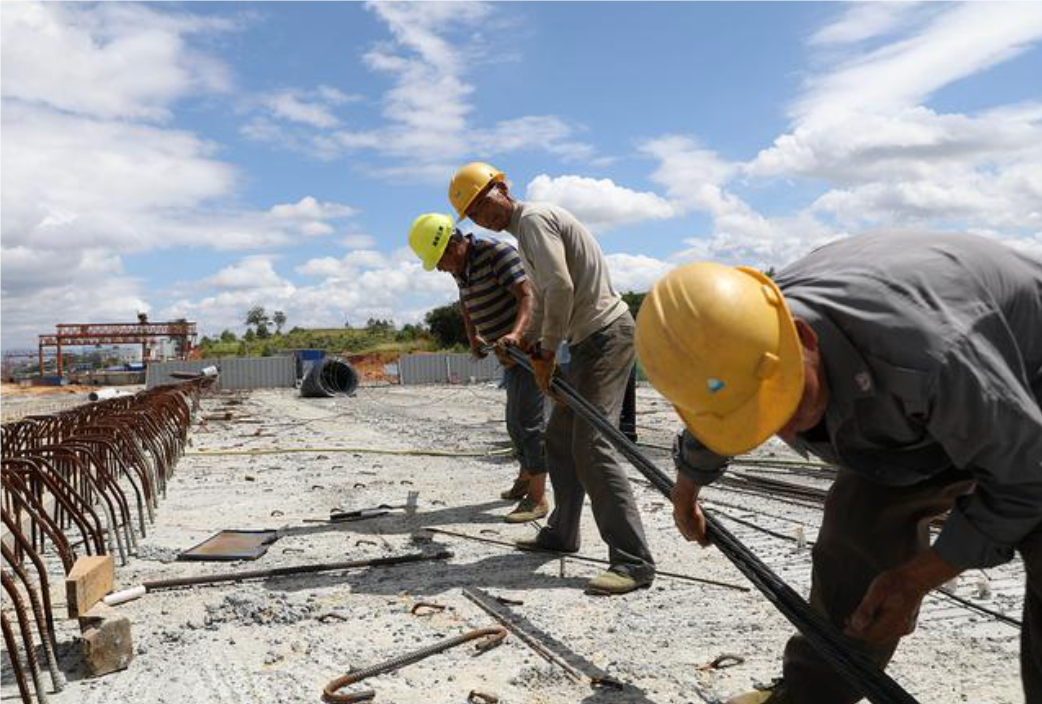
[(331, 376)]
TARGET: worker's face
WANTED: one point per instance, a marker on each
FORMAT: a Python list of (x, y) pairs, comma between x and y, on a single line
[(492, 210), (815, 399), (454, 259)]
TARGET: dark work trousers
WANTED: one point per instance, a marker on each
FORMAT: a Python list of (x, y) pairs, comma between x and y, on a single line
[(867, 529), (628, 419), (581, 461), (526, 409)]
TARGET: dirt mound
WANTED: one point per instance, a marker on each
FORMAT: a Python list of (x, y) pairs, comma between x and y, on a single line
[(371, 367)]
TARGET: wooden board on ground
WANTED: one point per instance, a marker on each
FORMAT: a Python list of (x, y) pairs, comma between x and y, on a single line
[(91, 578)]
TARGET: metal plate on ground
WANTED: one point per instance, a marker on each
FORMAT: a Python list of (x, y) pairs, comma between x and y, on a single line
[(230, 545)]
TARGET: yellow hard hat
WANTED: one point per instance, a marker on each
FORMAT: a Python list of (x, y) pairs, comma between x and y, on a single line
[(429, 236), (720, 343), (469, 182)]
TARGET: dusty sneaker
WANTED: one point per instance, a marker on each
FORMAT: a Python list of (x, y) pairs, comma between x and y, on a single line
[(613, 583), (528, 510), (516, 492), (774, 694)]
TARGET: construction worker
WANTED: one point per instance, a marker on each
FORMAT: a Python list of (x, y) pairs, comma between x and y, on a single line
[(575, 303), (496, 303), (913, 362)]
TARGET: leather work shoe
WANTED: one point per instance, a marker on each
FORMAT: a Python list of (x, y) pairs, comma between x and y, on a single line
[(534, 544), (610, 583), (528, 510), (775, 694), (516, 492)]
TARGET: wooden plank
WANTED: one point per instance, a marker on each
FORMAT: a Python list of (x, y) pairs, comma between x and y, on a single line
[(91, 578)]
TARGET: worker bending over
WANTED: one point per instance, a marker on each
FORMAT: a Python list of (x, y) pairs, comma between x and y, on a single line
[(911, 361), (574, 302), (496, 304)]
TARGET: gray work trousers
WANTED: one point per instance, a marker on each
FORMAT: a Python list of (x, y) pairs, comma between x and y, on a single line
[(526, 417), (867, 529), (581, 460)]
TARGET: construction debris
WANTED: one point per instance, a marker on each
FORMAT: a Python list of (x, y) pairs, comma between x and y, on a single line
[(490, 638), (107, 644), (91, 578), (231, 545), (208, 579)]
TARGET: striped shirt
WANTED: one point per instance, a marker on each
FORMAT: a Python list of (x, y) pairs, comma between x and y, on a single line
[(493, 269)]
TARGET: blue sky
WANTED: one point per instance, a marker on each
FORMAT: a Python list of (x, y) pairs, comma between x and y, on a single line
[(195, 159)]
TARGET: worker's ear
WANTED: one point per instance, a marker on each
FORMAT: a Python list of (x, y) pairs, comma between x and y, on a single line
[(808, 337)]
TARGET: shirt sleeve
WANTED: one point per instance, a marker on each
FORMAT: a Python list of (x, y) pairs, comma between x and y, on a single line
[(987, 419), (507, 266), (553, 281), (697, 462)]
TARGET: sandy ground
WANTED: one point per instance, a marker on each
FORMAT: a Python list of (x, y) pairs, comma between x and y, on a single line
[(282, 639)]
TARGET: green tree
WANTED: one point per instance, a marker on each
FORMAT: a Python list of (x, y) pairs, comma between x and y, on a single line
[(228, 336), (634, 301), (250, 336), (446, 325), (258, 317), (410, 332), (279, 318), (378, 326)]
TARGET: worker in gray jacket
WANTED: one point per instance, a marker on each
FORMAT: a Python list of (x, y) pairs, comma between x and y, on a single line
[(575, 303), (911, 361)]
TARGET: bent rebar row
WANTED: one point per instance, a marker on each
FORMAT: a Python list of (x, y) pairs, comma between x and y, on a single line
[(83, 479)]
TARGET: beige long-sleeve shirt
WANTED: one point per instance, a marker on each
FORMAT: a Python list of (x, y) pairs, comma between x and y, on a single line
[(574, 297)]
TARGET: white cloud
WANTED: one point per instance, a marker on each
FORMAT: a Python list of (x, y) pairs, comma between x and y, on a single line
[(347, 267), (863, 131), (635, 272), (249, 274), (358, 240), (428, 126), (108, 60), (599, 203), (864, 20), (289, 105), (966, 39), (89, 172), (359, 286), (42, 288), (888, 159)]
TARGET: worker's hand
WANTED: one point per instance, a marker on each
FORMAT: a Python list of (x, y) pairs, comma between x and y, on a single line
[(891, 604), (543, 364), (687, 514), (476, 344), (511, 339)]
